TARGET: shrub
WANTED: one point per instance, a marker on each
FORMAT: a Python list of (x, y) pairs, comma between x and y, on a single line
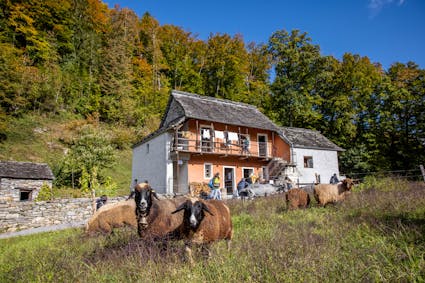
[(46, 193)]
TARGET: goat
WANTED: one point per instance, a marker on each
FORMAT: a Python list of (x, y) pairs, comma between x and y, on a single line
[(327, 193), (297, 198), (154, 215), (203, 223)]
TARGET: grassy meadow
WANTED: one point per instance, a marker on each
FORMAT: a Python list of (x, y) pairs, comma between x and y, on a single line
[(377, 235)]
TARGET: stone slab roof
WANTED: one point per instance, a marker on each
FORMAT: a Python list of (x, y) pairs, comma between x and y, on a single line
[(305, 138), (25, 170), (194, 106)]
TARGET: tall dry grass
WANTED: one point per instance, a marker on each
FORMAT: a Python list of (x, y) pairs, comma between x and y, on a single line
[(377, 234)]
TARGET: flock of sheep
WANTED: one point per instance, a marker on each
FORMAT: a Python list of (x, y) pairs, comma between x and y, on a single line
[(191, 219)]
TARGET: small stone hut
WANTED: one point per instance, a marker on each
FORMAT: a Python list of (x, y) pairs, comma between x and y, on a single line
[(22, 181)]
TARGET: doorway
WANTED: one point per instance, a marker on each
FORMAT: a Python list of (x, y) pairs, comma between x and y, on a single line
[(229, 179), (262, 145)]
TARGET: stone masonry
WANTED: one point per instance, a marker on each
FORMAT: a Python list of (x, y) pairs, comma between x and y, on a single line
[(17, 216)]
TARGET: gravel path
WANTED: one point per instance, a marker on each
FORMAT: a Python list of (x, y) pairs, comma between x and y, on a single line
[(42, 229)]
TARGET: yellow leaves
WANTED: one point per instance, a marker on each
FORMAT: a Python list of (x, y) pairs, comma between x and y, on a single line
[(21, 21)]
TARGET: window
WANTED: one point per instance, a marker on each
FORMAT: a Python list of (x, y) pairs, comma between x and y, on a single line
[(207, 171), (25, 195), (246, 172), (264, 173), (308, 161)]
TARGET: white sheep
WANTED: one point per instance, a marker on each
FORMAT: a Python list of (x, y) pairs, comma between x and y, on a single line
[(328, 193)]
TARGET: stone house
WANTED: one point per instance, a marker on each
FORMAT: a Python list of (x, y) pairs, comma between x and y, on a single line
[(22, 181), (315, 157), (200, 136)]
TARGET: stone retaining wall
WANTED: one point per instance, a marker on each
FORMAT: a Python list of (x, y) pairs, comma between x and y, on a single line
[(16, 216)]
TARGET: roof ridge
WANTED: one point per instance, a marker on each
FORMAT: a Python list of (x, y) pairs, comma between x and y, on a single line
[(214, 99), (26, 162)]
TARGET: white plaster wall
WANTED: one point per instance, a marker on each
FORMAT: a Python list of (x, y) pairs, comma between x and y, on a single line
[(325, 163), (154, 164)]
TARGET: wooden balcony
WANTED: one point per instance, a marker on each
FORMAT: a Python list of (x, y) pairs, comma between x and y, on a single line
[(254, 149)]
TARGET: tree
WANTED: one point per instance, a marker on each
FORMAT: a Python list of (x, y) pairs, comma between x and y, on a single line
[(257, 78), (226, 67), (295, 59), (401, 128), (117, 102), (89, 154)]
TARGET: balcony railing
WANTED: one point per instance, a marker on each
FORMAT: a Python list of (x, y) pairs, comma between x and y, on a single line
[(233, 148)]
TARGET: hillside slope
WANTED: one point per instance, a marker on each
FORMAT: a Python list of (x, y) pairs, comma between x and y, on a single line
[(34, 138)]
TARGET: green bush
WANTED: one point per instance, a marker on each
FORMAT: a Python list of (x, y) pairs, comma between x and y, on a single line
[(45, 194)]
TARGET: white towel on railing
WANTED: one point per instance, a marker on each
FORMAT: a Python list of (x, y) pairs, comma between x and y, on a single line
[(206, 134), (219, 135), (233, 136)]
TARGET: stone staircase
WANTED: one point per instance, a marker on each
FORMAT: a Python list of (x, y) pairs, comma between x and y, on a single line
[(276, 168)]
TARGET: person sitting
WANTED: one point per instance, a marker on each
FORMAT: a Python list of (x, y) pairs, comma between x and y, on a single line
[(288, 183), (252, 179), (334, 179), (214, 185), (243, 188), (101, 201)]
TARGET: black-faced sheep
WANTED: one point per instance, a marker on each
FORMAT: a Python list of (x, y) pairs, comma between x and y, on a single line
[(297, 198), (203, 223), (328, 193), (154, 216), (112, 216)]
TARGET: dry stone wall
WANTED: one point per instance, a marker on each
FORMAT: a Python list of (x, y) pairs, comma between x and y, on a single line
[(10, 188), (15, 216)]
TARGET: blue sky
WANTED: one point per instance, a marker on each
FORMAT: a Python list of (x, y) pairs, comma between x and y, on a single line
[(386, 31)]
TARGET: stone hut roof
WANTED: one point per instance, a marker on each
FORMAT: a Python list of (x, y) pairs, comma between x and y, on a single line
[(305, 138), (193, 106), (25, 170)]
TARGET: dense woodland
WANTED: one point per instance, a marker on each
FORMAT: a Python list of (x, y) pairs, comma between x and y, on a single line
[(83, 58)]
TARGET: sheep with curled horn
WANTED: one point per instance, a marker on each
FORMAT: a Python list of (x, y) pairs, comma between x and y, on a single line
[(154, 215), (204, 222), (328, 193)]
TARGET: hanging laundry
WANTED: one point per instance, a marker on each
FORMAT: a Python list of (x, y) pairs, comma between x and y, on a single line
[(206, 134), (233, 136), (219, 135)]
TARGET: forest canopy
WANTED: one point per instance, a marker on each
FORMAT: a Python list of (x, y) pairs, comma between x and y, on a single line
[(81, 57)]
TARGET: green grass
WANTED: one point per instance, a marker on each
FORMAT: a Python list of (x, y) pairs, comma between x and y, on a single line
[(374, 236)]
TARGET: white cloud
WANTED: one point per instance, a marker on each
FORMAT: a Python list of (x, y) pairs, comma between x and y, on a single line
[(375, 6)]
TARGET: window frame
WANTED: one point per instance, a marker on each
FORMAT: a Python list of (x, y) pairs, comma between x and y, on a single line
[(308, 160), (205, 171)]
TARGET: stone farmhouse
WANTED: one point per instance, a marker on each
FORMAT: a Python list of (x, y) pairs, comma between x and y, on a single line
[(22, 181), (200, 136)]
